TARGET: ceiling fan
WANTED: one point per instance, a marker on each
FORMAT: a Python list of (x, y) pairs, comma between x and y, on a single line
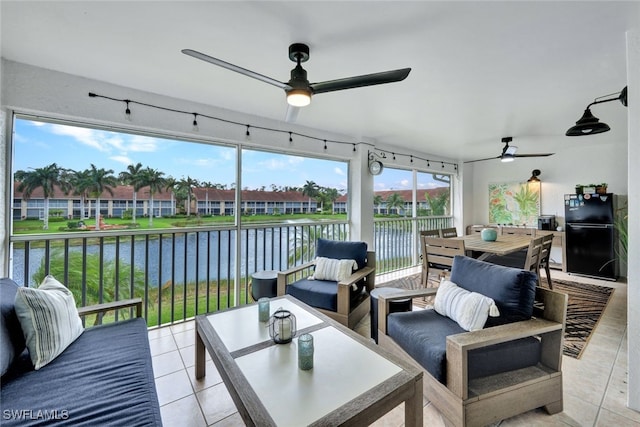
[(509, 153), (298, 89)]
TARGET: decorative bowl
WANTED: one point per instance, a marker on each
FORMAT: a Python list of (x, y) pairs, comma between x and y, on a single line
[(489, 234)]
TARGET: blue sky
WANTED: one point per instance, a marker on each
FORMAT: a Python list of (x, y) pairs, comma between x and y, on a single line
[(37, 144)]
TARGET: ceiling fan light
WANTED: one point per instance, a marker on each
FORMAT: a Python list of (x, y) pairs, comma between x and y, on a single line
[(298, 97), (507, 158), (587, 125)]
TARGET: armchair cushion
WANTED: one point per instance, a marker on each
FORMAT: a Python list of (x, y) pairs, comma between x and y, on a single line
[(513, 290), (319, 293), (423, 335), (343, 250)]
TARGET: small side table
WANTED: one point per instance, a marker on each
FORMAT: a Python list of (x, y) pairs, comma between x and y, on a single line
[(394, 307), (264, 284)]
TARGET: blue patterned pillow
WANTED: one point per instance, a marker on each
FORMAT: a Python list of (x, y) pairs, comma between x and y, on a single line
[(49, 320)]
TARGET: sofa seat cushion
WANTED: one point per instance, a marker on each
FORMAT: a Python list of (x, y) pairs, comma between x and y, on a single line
[(320, 293), (513, 290), (423, 335), (105, 377)]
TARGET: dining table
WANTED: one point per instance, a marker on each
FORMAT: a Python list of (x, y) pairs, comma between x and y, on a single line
[(503, 245)]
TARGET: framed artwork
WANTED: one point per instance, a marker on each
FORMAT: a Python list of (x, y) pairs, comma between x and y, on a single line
[(515, 203)]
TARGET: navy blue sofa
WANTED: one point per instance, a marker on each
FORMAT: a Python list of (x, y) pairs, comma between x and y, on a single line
[(104, 378), (481, 377)]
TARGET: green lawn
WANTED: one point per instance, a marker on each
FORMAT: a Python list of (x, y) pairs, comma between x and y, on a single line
[(33, 226)]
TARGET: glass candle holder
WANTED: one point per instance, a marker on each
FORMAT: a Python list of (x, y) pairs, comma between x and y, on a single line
[(305, 352), (263, 309), (282, 326)]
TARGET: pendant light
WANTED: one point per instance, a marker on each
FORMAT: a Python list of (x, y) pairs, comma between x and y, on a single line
[(591, 125)]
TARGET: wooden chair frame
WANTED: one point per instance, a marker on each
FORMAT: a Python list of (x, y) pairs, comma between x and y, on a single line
[(545, 254), (478, 402), (439, 251), (424, 279), (347, 314), (447, 233)]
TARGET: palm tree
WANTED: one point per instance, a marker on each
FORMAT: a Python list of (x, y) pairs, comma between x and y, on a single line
[(396, 201), (77, 182), (46, 178), (438, 203), (187, 185), (377, 202), (133, 176), (99, 181), (156, 182), (331, 195), (310, 189), (170, 185)]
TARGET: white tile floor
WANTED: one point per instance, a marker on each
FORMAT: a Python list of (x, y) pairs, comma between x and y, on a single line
[(595, 386)]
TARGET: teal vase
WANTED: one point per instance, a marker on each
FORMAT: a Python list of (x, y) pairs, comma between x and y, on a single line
[(489, 234)]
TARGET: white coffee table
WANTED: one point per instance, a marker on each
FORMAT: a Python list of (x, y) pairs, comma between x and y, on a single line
[(352, 381)]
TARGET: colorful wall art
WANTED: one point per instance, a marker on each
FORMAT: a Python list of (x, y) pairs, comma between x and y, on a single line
[(514, 203)]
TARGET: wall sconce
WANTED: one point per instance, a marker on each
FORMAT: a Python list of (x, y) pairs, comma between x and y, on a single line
[(534, 176), (588, 123)]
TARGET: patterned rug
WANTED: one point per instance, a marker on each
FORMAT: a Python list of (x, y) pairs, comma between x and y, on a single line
[(586, 305)]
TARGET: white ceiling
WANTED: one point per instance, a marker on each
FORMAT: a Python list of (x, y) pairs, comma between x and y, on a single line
[(480, 70)]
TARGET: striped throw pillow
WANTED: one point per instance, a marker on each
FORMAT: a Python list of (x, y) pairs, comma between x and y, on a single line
[(49, 320), (469, 309), (333, 269)]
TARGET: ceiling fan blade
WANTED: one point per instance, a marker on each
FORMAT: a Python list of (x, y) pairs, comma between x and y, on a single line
[(235, 68), (482, 160), (534, 155), (360, 81), (292, 114)]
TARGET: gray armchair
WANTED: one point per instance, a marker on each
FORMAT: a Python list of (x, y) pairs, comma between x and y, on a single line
[(510, 366), (346, 301)]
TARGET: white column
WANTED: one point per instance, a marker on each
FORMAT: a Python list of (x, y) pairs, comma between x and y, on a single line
[(361, 198), (633, 272)]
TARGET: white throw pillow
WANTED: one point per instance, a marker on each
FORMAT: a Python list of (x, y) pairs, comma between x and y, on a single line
[(49, 320), (469, 309), (333, 269)]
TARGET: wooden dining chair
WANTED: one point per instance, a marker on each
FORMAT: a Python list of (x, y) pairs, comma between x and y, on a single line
[(448, 232), (526, 260), (545, 254), (439, 253), (425, 268)]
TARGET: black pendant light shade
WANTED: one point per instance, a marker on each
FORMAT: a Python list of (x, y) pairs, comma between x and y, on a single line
[(591, 125), (588, 125)]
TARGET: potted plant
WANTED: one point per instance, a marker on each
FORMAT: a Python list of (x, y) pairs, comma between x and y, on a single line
[(601, 188)]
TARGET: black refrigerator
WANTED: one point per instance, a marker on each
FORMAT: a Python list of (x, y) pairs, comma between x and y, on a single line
[(590, 235)]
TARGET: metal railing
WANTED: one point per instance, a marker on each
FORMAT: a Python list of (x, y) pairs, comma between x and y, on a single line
[(397, 240), (182, 272), (177, 272)]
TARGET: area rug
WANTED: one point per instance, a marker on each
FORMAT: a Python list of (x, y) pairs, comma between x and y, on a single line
[(586, 304)]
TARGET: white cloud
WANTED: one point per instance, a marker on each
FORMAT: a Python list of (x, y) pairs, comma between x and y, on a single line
[(122, 159), (338, 171), (82, 135), (143, 143), (404, 183)]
